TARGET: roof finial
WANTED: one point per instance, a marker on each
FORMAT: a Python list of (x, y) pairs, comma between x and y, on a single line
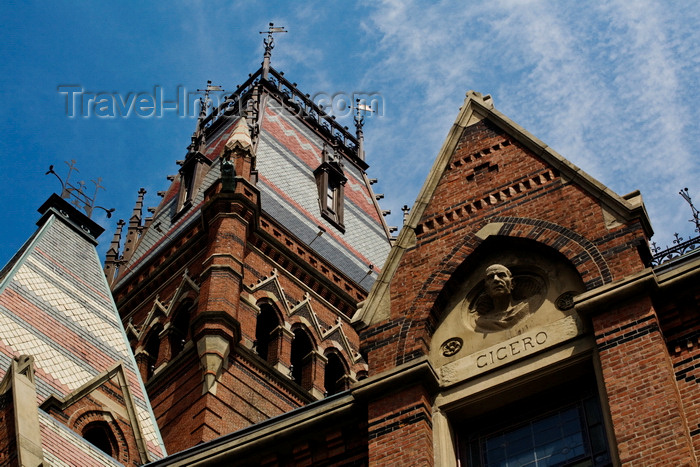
[(80, 198), (696, 214), (205, 103), (269, 42), (360, 112), (198, 139)]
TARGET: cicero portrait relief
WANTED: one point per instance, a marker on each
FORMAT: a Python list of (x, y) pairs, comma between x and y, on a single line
[(497, 307)]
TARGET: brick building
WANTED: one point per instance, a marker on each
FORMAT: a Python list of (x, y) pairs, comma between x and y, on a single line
[(519, 318)]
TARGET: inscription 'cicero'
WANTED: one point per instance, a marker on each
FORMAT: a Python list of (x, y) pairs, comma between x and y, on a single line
[(511, 349)]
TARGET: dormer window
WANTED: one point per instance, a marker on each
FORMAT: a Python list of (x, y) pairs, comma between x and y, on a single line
[(191, 175), (331, 190)]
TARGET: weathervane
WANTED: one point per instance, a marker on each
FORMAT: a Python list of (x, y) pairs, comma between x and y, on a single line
[(360, 112), (269, 42), (198, 139), (77, 192), (205, 102), (696, 214)]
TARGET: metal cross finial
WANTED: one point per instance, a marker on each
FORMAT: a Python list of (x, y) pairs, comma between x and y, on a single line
[(361, 110), (269, 42), (696, 214)]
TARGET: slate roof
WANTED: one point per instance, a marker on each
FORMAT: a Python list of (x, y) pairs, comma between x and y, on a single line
[(55, 305), (287, 153)]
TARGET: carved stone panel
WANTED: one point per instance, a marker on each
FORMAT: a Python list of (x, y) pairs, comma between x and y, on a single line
[(508, 305)]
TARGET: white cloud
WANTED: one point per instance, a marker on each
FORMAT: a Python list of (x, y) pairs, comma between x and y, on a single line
[(612, 88)]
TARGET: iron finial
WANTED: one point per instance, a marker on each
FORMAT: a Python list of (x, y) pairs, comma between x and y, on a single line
[(696, 214), (80, 198), (361, 110), (269, 42)]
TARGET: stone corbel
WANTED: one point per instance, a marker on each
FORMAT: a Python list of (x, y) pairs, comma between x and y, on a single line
[(213, 353)]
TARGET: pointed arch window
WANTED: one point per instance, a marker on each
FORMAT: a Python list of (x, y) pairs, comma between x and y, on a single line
[(265, 338), (335, 375), (301, 359), (152, 349), (180, 327)]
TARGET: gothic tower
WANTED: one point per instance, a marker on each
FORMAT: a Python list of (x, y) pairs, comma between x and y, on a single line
[(237, 294)]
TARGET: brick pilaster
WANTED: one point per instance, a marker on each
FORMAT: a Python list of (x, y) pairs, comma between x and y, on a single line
[(401, 429), (645, 407)]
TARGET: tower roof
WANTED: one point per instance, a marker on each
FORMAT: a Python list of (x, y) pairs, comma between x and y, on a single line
[(55, 305), (287, 135)]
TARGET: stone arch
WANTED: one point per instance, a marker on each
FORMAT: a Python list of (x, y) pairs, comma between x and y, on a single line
[(418, 323)]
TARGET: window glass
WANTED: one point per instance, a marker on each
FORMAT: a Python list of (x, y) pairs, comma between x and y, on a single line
[(560, 426), (553, 440)]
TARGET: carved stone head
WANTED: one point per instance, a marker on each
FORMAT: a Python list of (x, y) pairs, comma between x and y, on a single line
[(498, 280)]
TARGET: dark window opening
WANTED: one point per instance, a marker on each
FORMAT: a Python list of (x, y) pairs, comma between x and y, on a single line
[(180, 328), (152, 349), (100, 435), (301, 348), (334, 375), (264, 329), (191, 175)]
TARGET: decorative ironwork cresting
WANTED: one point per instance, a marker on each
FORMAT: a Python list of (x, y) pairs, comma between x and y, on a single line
[(680, 247)]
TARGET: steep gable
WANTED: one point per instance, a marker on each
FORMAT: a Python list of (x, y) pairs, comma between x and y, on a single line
[(492, 179)]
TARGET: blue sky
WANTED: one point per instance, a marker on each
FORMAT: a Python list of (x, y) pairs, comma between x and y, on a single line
[(612, 86)]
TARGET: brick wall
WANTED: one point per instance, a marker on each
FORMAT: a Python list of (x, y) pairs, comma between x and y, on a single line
[(400, 428), (645, 405), (679, 317), (227, 261), (8, 437), (492, 178)]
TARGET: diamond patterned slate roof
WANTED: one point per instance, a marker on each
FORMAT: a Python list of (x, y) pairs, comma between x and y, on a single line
[(287, 153), (56, 306)]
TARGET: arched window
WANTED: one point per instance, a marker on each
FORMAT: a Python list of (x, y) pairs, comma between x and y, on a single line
[(180, 327), (301, 348), (266, 325), (334, 378), (101, 436), (152, 349)]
